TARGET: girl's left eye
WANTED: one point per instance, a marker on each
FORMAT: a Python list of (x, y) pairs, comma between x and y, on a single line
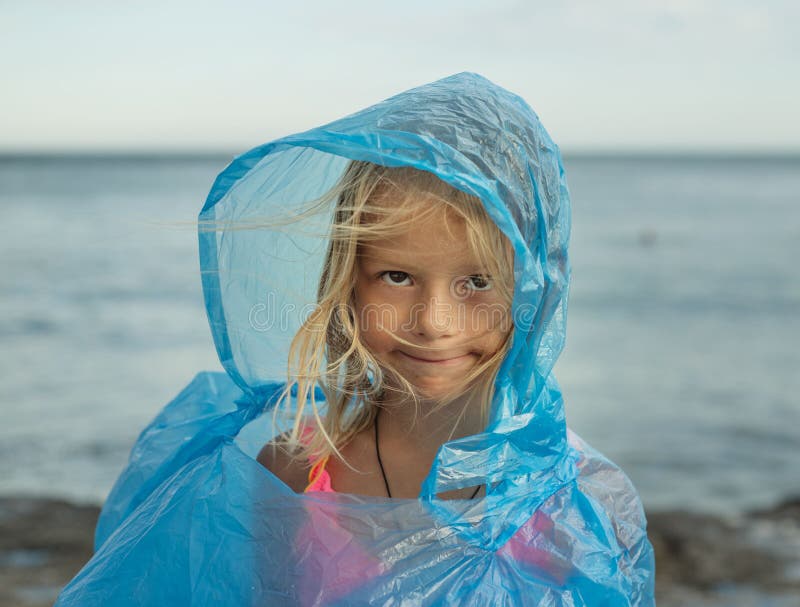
[(479, 282), (396, 278)]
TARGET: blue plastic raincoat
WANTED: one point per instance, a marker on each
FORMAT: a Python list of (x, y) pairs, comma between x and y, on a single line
[(195, 520)]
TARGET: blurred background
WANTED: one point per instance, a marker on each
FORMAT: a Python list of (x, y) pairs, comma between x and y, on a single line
[(679, 126)]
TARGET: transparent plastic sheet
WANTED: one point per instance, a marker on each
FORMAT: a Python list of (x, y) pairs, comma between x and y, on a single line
[(195, 520)]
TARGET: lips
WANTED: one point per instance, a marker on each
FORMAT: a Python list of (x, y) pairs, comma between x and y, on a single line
[(452, 360)]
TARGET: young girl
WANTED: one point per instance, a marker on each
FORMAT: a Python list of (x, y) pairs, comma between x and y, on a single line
[(412, 325), (410, 264)]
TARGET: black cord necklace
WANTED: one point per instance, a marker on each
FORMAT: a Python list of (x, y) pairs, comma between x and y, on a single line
[(383, 472)]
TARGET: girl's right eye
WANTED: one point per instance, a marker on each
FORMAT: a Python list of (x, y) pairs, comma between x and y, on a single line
[(396, 279)]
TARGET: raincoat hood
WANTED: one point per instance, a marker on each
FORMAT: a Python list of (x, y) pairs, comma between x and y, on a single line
[(471, 134), (195, 513)]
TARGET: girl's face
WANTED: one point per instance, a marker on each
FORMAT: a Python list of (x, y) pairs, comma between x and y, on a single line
[(425, 306)]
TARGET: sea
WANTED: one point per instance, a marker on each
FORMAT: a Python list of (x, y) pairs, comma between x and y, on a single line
[(682, 361)]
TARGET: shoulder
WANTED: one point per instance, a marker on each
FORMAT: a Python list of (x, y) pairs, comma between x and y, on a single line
[(282, 460), (612, 490)]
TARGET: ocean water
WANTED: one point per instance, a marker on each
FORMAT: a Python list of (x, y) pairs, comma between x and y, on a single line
[(682, 353)]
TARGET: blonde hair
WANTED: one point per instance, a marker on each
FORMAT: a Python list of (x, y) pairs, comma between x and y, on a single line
[(375, 202)]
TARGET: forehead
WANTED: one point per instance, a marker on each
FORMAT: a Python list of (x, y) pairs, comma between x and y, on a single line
[(429, 240)]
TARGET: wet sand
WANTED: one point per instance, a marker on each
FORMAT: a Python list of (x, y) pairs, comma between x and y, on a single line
[(43, 544), (702, 560)]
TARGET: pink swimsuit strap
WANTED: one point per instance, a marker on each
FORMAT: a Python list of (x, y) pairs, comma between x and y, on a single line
[(319, 479)]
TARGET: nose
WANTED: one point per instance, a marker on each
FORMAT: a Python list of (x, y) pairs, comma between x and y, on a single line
[(436, 313)]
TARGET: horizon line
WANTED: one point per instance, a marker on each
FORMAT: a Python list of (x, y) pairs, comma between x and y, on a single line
[(627, 153)]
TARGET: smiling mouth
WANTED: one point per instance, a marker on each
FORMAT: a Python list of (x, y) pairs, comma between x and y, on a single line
[(441, 361)]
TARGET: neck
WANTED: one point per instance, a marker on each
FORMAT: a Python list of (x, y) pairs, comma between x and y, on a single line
[(427, 424)]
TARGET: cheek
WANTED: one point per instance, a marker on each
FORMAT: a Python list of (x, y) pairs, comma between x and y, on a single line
[(375, 341), (497, 332), (491, 320), (493, 341), (379, 311), (377, 324)]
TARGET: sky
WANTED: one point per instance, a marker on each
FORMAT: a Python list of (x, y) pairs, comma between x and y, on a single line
[(179, 75)]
